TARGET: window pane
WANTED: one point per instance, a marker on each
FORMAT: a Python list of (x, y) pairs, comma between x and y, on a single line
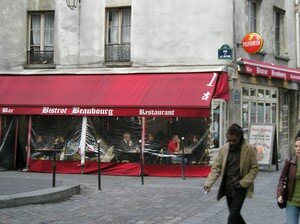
[(252, 16), (245, 114), (253, 112), (252, 92), (260, 93), (49, 29), (274, 93), (126, 23), (113, 27), (245, 91), (35, 29), (273, 113), (260, 112), (277, 32), (268, 93), (268, 113)]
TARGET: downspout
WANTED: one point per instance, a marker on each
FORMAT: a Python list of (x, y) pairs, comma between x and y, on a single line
[(233, 32), (79, 26), (297, 8)]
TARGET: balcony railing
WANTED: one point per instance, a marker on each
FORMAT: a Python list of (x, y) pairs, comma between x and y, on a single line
[(40, 57), (117, 52)]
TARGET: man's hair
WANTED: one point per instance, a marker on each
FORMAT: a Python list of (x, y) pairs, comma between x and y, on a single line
[(235, 129), (297, 135), (173, 136), (297, 139)]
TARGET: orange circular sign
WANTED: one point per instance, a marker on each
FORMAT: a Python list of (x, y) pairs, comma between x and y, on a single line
[(252, 43)]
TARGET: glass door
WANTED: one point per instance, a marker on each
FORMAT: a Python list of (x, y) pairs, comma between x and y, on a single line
[(218, 122)]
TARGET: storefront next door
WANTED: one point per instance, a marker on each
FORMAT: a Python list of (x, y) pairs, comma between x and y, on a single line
[(259, 105)]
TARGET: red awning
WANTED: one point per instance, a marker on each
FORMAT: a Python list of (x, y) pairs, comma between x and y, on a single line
[(269, 70), (169, 95)]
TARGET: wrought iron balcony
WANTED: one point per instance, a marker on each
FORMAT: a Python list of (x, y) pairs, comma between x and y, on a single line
[(40, 57), (117, 52)]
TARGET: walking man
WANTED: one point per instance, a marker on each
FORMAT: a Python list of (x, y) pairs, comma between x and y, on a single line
[(236, 163)]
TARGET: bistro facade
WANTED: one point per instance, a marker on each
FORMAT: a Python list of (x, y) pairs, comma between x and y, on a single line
[(76, 114)]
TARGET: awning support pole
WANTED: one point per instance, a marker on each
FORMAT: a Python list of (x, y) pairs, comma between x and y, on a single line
[(82, 142), (142, 149)]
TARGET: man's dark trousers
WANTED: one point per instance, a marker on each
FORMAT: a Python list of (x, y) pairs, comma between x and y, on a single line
[(235, 204)]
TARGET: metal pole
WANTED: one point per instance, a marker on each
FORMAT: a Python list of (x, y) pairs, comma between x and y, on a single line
[(53, 168), (99, 169), (142, 149), (182, 161)]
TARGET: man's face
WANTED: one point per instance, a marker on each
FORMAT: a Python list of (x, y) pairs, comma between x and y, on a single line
[(233, 140), (127, 137)]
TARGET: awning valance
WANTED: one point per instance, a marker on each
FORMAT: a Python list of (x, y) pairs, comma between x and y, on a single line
[(269, 70), (155, 95)]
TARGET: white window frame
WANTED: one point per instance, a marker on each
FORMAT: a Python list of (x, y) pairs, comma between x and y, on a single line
[(42, 30), (120, 24)]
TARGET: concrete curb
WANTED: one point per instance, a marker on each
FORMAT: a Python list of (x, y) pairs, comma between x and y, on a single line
[(40, 196)]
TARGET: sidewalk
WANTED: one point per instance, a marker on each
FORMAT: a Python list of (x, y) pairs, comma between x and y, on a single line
[(20, 188), (126, 200)]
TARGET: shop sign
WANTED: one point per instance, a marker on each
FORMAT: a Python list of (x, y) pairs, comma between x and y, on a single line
[(252, 43), (225, 52), (109, 112), (271, 71)]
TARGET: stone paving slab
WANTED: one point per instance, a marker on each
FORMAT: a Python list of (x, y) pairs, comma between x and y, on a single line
[(159, 200)]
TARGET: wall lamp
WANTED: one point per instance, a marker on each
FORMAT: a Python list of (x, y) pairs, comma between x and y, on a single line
[(72, 4)]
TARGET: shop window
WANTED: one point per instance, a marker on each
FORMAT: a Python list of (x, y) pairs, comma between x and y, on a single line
[(78, 138), (118, 35), (41, 38), (260, 106)]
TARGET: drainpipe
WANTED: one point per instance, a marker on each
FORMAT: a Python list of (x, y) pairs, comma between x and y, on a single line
[(79, 26), (297, 8), (233, 31)]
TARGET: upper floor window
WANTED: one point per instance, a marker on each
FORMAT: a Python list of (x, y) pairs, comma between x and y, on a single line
[(279, 31), (252, 16), (41, 38), (118, 35)]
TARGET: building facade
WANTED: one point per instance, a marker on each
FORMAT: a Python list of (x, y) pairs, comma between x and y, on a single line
[(45, 37)]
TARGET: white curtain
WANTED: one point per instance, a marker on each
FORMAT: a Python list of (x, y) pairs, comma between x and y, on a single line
[(49, 32), (114, 27), (35, 29), (126, 24)]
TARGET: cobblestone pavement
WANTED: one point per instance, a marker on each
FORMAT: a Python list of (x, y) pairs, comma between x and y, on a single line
[(159, 200)]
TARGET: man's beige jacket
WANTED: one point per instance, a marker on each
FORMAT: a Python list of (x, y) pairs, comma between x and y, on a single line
[(248, 168)]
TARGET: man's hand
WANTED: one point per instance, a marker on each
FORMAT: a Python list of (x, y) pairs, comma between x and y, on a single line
[(207, 189), (280, 200)]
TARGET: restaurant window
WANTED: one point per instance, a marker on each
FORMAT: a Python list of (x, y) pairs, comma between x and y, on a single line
[(118, 37), (119, 139), (41, 38), (259, 105), (279, 31)]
